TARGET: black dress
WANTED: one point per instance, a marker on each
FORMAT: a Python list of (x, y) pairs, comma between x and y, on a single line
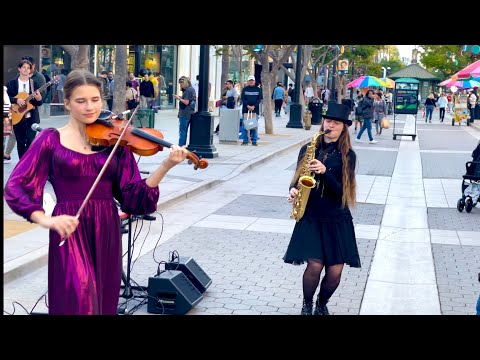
[(325, 231)]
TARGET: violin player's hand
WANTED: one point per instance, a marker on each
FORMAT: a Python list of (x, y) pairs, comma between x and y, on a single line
[(177, 155), (64, 225)]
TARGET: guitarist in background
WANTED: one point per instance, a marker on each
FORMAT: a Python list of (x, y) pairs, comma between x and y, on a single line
[(22, 83), (36, 76)]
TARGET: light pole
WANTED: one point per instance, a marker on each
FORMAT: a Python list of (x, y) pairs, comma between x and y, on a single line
[(334, 75), (201, 123), (385, 76)]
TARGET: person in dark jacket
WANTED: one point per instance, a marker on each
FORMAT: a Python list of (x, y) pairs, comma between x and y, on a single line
[(251, 98), (325, 236), (430, 105), (23, 84), (367, 115)]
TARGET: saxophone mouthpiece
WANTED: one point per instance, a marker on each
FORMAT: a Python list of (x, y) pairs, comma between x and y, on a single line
[(327, 131)]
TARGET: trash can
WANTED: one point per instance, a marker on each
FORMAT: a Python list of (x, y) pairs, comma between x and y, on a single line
[(348, 103), (315, 107), (144, 118), (229, 123)]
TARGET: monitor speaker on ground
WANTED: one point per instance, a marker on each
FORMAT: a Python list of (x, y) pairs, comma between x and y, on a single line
[(172, 293), (192, 271)]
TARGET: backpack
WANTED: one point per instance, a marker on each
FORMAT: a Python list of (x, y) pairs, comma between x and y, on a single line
[(106, 89), (359, 108)]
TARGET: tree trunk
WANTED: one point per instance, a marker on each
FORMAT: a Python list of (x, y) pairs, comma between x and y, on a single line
[(120, 79), (225, 66), (82, 60), (240, 67), (267, 78)]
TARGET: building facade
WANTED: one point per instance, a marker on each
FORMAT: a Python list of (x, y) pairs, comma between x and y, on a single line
[(167, 63)]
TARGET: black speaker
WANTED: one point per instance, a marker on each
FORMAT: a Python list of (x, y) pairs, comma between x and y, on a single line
[(192, 271), (172, 293)]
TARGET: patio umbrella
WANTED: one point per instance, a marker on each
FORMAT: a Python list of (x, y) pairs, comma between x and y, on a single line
[(471, 72), (461, 84), (366, 81), (390, 83)]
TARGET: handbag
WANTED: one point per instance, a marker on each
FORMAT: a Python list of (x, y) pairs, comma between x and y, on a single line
[(250, 122), (7, 124), (385, 123)]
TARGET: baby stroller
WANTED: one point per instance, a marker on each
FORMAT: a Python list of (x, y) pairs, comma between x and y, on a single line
[(471, 183)]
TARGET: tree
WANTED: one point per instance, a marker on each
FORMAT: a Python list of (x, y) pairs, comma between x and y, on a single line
[(278, 54), (225, 65), (447, 59), (79, 55), (121, 55)]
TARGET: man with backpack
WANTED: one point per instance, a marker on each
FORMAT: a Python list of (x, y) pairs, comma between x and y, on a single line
[(358, 112)]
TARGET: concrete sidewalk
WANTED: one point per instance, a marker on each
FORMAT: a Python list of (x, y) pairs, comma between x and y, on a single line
[(27, 250)]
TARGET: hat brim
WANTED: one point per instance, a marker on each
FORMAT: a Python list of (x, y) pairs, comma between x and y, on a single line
[(348, 122)]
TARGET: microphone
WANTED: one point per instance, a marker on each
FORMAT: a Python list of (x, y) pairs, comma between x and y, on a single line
[(36, 127)]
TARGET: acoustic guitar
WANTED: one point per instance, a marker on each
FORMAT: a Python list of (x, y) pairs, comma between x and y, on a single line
[(18, 112)]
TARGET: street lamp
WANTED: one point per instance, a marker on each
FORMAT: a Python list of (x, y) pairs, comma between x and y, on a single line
[(334, 75), (385, 76), (201, 123)]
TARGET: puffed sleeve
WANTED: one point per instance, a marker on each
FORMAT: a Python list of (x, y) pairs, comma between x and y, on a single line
[(134, 195), (24, 189)]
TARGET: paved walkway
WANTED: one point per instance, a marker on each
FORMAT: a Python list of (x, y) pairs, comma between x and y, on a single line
[(419, 254)]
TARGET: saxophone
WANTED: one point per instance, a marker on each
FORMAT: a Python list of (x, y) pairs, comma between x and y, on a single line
[(306, 181)]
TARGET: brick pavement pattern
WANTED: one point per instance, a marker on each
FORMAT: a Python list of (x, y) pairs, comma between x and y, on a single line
[(446, 139), (456, 270), (444, 166), (248, 274), (372, 162), (452, 219)]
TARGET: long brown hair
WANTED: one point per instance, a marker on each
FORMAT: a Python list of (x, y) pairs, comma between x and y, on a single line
[(349, 182)]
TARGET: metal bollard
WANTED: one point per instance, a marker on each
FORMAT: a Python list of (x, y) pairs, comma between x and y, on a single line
[(307, 119)]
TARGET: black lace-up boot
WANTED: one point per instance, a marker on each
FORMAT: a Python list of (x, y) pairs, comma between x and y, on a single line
[(307, 308), (320, 309)]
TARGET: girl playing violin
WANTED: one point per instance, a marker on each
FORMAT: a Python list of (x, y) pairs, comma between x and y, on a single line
[(84, 275)]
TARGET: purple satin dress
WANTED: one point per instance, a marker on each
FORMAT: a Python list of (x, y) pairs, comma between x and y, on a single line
[(84, 275)]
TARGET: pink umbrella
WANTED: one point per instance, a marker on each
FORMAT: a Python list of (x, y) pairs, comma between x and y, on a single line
[(461, 84), (471, 71)]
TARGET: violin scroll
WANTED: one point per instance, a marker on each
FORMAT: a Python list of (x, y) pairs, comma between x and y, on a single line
[(198, 161)]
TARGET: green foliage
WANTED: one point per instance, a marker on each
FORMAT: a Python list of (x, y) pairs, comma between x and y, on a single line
[(436, 57), (362, 55)]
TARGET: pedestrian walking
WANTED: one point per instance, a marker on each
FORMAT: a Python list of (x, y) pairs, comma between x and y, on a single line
[(366, 106)]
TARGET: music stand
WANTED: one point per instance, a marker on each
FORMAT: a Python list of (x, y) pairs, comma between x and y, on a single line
[(128, 292)]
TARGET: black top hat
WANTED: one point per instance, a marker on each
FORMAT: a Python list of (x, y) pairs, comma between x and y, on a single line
[(338, 112)]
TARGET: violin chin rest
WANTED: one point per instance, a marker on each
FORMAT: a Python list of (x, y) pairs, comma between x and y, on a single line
[(105, 114)]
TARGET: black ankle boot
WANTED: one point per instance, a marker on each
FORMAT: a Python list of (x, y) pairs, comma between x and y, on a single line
[(307, 308), (320, 309)]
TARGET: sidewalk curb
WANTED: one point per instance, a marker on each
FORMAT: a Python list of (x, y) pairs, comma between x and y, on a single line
[(38, 258), (25, 264)]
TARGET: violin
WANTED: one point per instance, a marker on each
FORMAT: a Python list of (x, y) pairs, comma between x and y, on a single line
[(106, 130)]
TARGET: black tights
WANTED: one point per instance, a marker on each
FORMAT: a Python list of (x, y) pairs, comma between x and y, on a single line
[(311, 278)]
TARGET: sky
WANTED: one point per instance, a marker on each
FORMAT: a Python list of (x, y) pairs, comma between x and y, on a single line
[(405, 50)]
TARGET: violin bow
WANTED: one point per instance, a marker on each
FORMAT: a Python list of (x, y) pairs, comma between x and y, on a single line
[(99, 176)]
